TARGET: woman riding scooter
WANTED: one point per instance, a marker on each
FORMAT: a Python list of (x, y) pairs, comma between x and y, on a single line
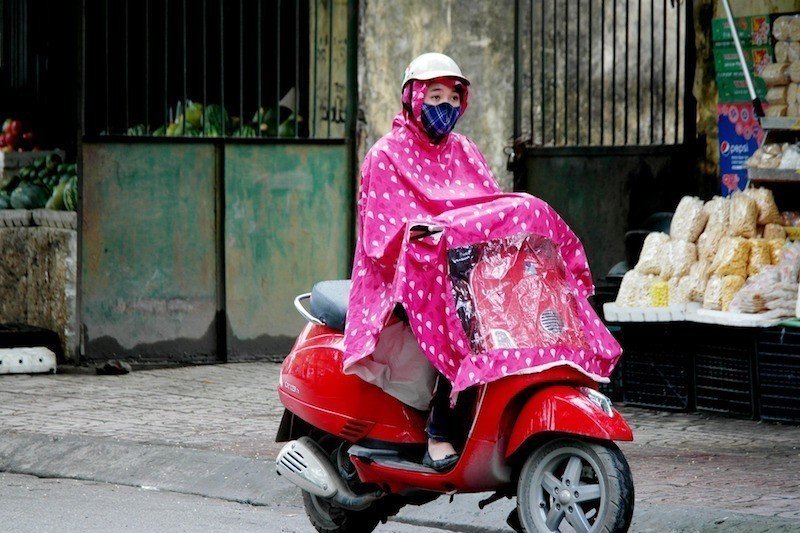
[(493, 289), (422, 171)]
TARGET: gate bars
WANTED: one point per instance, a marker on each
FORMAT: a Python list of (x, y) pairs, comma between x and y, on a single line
[(602, 73), (258, 59)]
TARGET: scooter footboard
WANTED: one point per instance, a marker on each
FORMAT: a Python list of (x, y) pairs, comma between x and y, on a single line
[(568, 410)]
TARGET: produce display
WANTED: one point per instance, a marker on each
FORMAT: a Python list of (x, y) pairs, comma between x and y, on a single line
[(191, 119), (782, 78), (16, 136), (46, 183), (725, 254)]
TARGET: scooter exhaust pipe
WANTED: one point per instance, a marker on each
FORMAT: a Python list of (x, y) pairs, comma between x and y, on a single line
[(305, 464)]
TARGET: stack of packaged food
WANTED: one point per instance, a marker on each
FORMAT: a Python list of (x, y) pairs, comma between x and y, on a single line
[(715, 251), (783, 77)]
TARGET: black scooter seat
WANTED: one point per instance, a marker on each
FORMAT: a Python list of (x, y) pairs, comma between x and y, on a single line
[(329, 302)]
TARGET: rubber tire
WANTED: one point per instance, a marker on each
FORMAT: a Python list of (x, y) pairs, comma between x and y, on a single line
[(618, 480), (327, 518)]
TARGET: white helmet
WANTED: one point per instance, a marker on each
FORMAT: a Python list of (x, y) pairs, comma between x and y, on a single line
[(432, 65)]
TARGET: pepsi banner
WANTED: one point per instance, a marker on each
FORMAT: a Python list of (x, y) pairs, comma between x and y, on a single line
[(739, 137)]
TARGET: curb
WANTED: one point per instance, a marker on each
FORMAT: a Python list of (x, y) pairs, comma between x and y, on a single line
[(150, 466)]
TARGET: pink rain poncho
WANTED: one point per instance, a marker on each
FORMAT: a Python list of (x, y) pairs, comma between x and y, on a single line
[(501, 290)]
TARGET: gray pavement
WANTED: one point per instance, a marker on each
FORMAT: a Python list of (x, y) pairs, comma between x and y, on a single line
[(90, 507), (209, 430)]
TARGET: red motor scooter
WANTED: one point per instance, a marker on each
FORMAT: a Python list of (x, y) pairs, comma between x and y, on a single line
[(356, 452)]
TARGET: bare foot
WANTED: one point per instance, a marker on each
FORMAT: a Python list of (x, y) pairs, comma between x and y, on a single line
[(439, 449)]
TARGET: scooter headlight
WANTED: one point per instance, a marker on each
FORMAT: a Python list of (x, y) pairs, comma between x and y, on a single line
[(599, 399)]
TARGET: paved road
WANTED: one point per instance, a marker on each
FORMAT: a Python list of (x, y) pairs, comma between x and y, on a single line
[(35, 505), (709, 466)]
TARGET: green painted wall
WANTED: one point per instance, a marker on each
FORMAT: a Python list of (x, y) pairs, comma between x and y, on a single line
[(150, 239), (148, 258), (287, 225)]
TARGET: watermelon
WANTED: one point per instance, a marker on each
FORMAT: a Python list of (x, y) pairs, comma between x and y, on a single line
[(56, 201), (71, 194), (29, 196)]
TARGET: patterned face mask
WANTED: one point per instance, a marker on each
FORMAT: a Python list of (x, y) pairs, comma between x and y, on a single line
[(439, 120)]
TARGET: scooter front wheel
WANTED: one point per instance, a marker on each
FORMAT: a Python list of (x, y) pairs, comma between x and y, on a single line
[(326, 517), (572, 485)]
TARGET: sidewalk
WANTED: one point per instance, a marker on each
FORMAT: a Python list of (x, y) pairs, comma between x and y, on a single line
[(209, 430)]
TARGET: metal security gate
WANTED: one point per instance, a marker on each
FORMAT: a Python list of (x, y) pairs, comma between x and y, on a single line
[(604, 113), (217, 177)]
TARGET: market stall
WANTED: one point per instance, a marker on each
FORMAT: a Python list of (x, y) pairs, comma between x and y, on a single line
[(709, 315)]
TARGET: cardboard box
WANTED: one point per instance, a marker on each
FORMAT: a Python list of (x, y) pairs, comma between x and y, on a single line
[(732, 87), (752, 31), (739, 137), (727, 60)]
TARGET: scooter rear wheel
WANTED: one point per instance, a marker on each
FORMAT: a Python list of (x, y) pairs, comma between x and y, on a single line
[(572, 485), (328, 518)]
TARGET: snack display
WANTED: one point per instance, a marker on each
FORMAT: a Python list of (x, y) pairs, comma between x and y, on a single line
[(768, 156), (760, 256), (777, 95), (635, 289), (653, 255), (682, 255), (787, 51), (659, 294), (743, 216), (740, 262), (776, 249), (730, 286), (765, 202), (689, 219), (775, 74), (786, 28), (732, 257), (712, 299), (774, 231)]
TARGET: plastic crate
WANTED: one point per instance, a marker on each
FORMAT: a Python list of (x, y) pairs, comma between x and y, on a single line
[(778, 368), (724, 370), (614, 388), (656, 367)]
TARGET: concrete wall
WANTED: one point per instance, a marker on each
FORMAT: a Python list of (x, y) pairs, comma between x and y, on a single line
[(37, 281), (478, 35)]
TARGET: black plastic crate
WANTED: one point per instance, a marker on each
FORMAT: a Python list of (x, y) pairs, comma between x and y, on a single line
[(614, 388), (656, 367), (724, 367), (778, 368)]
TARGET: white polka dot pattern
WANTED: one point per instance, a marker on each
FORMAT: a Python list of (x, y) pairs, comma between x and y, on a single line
[(407, 180)]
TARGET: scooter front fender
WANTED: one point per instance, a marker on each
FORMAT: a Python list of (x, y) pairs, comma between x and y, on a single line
[(566, 410)]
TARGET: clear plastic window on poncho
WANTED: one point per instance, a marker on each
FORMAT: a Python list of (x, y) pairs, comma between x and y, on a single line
[(513, 293)]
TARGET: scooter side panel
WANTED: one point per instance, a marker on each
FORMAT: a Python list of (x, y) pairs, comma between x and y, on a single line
[(314, 387), (564, 409), (482, 468)]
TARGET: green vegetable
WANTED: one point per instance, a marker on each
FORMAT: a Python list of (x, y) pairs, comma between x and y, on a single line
[(5, 200), (29, 196), (286, 129), (137, 131), (56, 201), (245, 131), (9, 182), (217, 121), (194, 114), (71, 194), (160, 132)]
